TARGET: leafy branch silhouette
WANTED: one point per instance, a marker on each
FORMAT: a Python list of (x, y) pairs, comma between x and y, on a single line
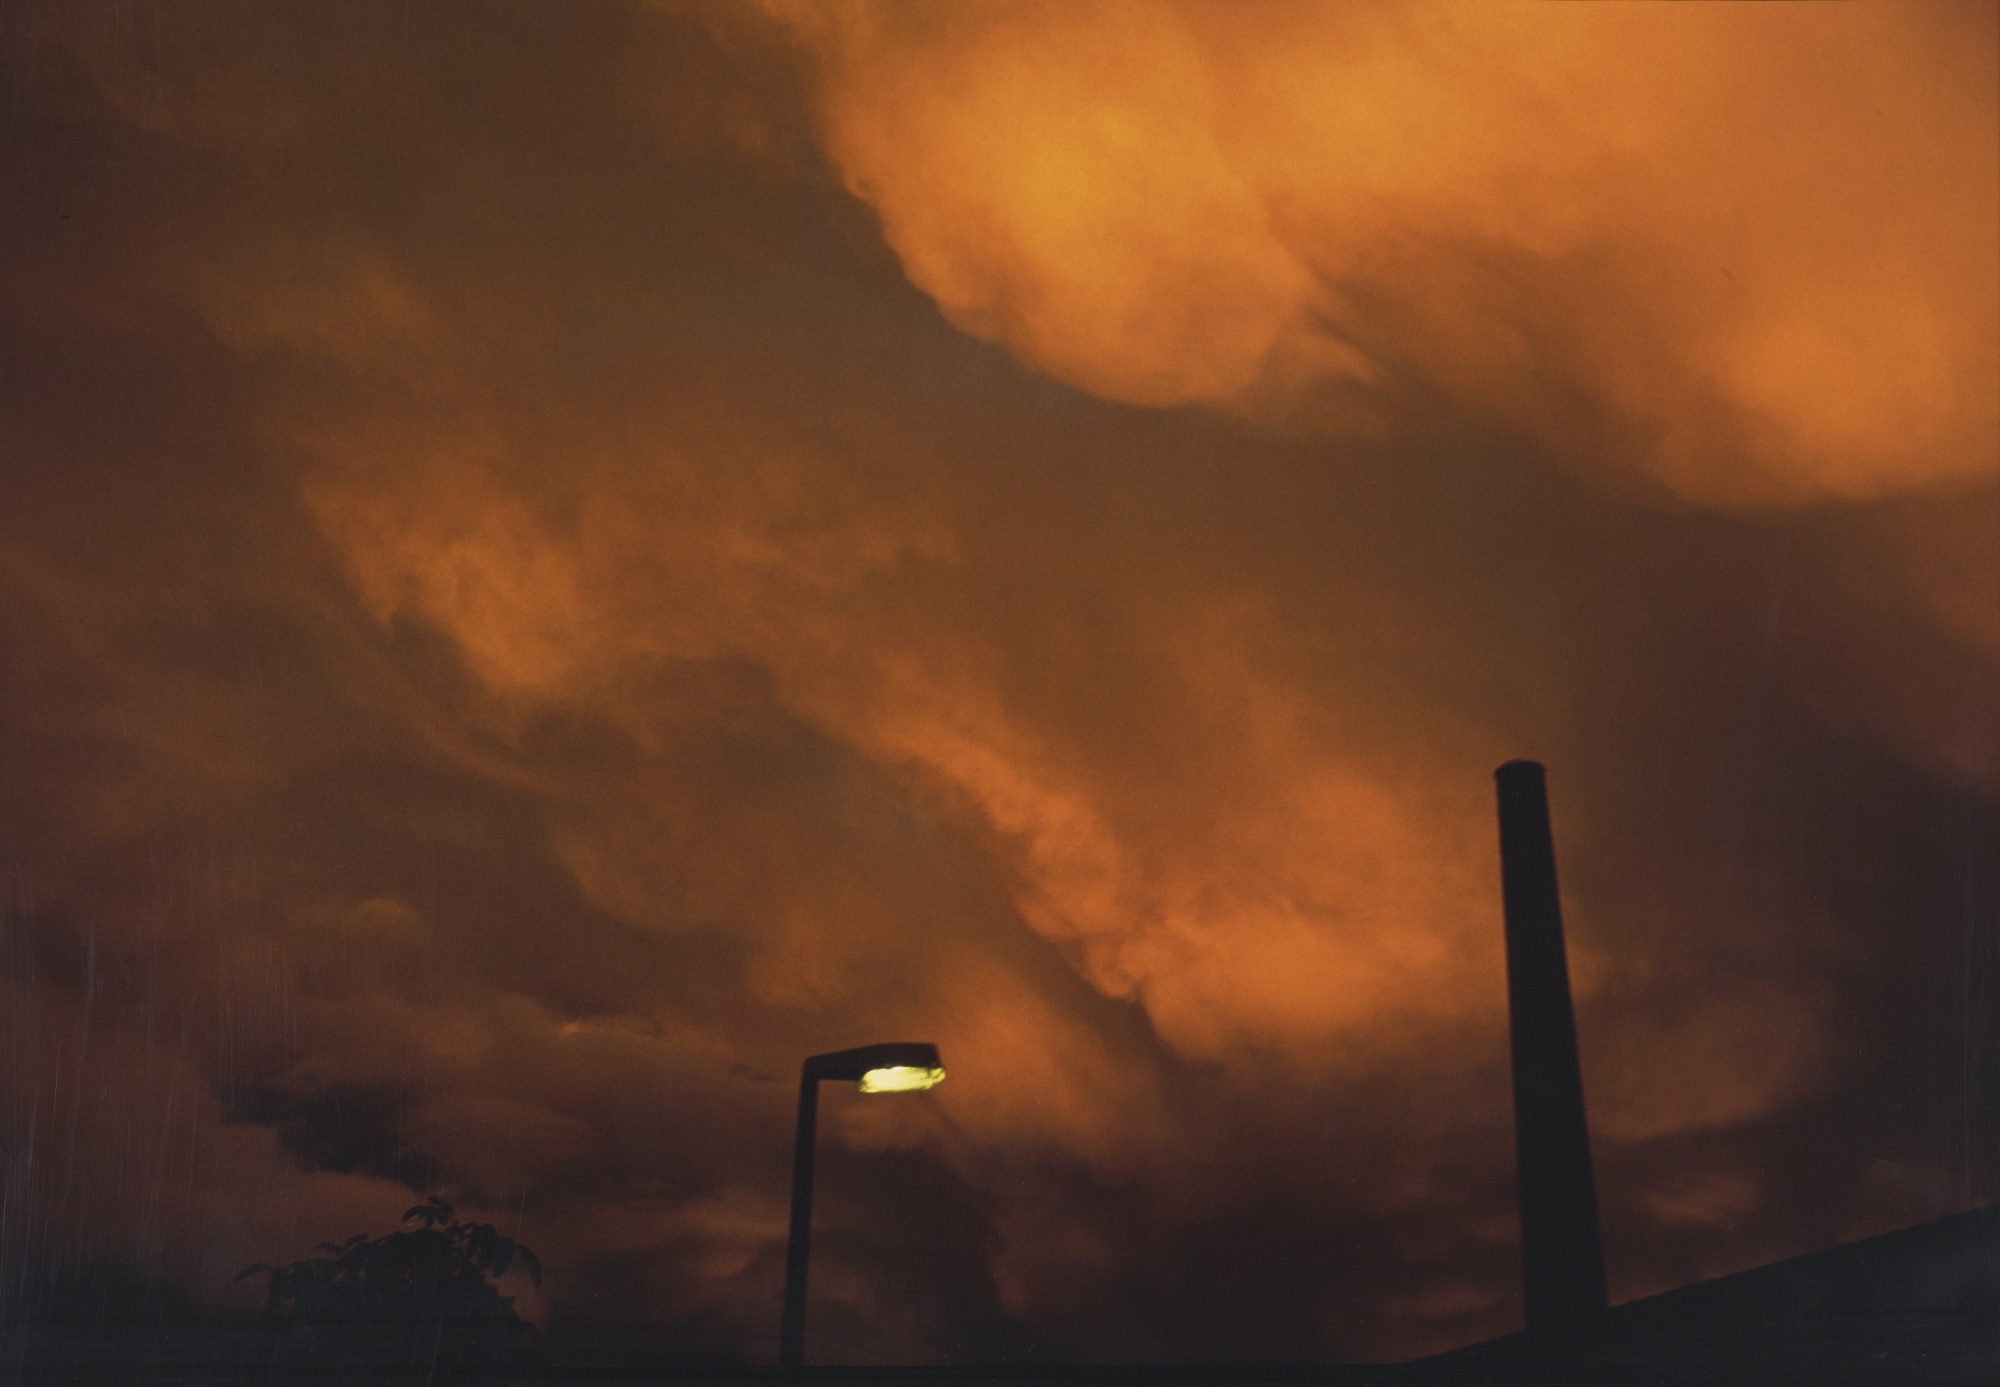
[(439, 1274)]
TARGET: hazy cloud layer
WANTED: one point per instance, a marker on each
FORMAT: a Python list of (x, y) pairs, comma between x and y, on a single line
[(557, 561)]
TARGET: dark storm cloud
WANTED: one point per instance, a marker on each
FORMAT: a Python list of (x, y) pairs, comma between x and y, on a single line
[(520, 623)]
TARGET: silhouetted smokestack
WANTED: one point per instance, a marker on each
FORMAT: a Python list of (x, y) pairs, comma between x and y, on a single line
[(1562, 1255)]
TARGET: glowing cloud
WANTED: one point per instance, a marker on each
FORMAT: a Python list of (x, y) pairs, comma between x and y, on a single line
[(1746, 249)]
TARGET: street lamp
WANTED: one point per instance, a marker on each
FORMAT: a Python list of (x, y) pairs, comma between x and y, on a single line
[(897, 1067)]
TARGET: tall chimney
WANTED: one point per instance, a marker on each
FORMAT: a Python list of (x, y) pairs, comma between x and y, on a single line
[(1562, 1255)]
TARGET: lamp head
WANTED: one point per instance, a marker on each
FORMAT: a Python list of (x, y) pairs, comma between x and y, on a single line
[(895, 1067)]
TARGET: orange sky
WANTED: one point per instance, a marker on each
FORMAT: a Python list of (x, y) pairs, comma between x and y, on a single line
[(558, 560)]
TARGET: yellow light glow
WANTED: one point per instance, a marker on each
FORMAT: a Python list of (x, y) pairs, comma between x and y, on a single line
[(901, 1078)]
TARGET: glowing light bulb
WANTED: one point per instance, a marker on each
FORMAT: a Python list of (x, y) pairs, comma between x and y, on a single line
[(900, 1078)]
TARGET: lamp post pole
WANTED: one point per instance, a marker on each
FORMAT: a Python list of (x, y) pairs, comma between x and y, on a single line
[(798, 1242), (896, 1067)]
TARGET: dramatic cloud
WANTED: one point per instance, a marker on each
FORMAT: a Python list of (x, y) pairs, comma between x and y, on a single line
[(558, 561), (1747, 248)]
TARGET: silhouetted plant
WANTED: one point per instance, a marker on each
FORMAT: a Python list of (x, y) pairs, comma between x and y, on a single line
[(441, 1274)]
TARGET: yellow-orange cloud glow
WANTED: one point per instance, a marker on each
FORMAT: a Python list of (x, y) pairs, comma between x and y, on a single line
[(1756, 240)]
